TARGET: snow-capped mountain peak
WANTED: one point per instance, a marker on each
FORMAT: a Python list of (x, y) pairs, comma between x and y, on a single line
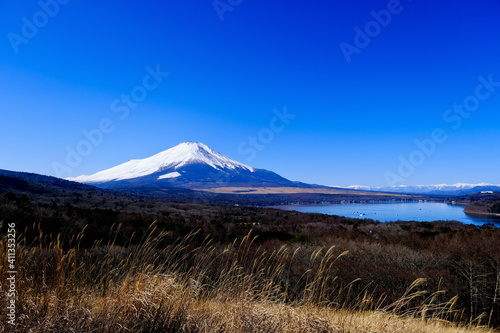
[(184, 154), (196, 152)]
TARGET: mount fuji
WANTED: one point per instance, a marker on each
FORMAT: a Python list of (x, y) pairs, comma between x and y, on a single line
[(191, 165)]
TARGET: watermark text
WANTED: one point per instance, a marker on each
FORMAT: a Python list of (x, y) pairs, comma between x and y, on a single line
[(11, 274)]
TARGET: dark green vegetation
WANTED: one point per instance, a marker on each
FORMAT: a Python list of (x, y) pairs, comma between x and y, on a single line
[(383, 259), (484, 207), (481, 203), (495, 209)]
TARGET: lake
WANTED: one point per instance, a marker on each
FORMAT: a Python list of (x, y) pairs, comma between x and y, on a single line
[(397, 210)]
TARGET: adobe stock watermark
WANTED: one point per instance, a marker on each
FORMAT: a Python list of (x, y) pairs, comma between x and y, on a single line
[(253, 144), (453, 116), (121, 107), (223, 6), (31, 26), (11, 273), (363, 37)]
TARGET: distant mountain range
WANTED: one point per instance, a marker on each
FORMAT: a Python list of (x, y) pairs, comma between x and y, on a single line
[(191, 165), (440, 189)]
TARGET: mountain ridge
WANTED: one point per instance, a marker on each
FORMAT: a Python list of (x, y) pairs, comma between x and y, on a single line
[(436, 189)]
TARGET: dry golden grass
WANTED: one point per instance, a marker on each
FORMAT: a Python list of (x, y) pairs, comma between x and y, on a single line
[(159, 304), (292, 190), (183, 287)]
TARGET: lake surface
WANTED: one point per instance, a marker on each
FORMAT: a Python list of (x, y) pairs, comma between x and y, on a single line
[(396, 210)]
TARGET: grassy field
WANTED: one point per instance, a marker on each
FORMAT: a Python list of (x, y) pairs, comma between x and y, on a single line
[(293, 190), (162, 284)]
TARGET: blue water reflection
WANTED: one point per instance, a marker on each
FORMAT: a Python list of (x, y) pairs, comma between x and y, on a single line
[(395, 210)]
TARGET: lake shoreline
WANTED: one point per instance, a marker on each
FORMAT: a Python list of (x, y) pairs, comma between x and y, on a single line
[(482, 213), (391, 211)]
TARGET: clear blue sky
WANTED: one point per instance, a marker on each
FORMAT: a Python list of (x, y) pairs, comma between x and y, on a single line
[(353, 120)]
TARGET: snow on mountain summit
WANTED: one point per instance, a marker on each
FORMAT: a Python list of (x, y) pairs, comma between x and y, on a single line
[(174, 158)]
